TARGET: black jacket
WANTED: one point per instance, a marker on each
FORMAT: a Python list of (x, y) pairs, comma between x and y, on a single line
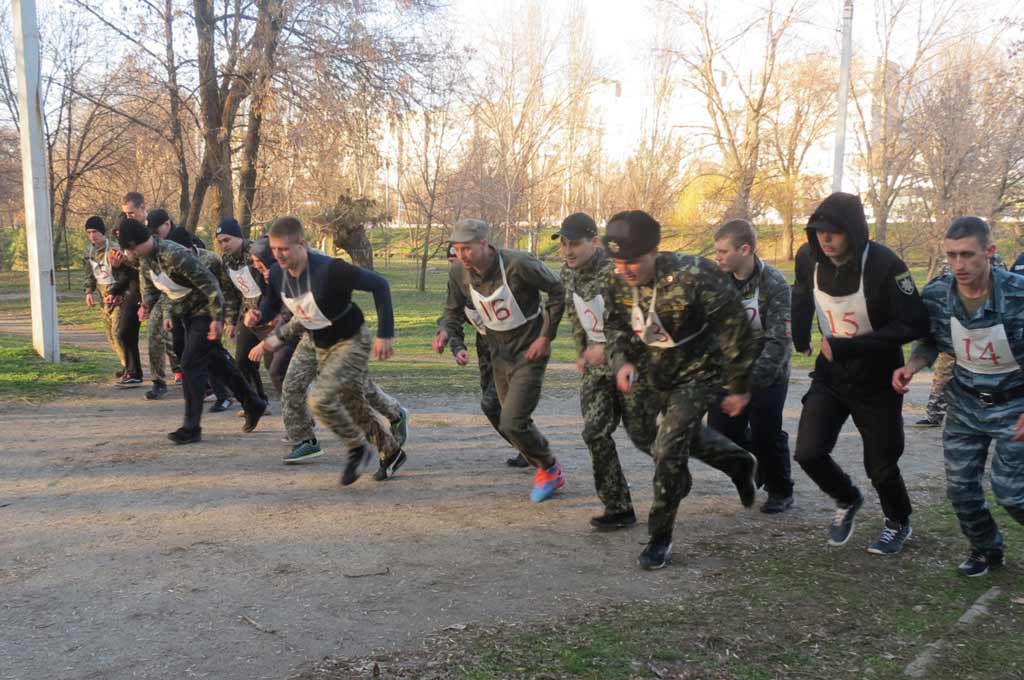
[(864, 363)]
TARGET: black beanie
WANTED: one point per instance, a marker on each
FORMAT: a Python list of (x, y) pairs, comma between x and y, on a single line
[(96, 224), (261, 249), (230, 227), (156, 218), (131, 233)]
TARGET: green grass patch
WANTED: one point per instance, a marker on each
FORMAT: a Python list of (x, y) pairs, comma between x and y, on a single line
[(777, 607), (25, 376)]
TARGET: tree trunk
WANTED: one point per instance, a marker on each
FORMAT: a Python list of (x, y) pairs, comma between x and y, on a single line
[(421, 279), (356, 244), (177, 135)]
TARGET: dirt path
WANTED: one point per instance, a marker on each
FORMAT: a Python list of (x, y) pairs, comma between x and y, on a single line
[(125, 557)]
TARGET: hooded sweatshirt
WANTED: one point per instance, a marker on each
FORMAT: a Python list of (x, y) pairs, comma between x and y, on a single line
[(863, 363)]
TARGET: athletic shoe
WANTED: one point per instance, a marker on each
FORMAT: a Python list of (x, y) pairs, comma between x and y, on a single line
[(545, 482), (928, 422), (183, 436), (358, 460), (253, 415), (843, 522), (894, 535), (610, 521), (656, 555), (518, 461), (776, 504), (389, 467), (178, 377), (400, 428), (979, 562), (303, 451), (746, 482), (221, 405), (208, 396), (128, 381), (158, 391)]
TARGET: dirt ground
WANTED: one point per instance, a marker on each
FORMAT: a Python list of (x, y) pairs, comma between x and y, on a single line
[(126, 557)]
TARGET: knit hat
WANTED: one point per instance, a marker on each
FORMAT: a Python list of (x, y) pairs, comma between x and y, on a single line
[(95, 223), (260, 248), (156, 219), (229, 226), (131, 233)]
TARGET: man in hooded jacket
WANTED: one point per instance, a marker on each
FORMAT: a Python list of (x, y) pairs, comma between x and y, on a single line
[(867, 307)]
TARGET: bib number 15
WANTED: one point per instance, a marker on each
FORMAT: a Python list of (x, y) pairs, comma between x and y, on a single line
[(848, 322)]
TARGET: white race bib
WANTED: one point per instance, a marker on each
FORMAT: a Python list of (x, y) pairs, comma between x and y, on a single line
[(591, 316), (650, 328), (982, 350), (499, 310), (475, 320), (844, 316), (167, 286), (101, 270), (753, 309), (244, 282)]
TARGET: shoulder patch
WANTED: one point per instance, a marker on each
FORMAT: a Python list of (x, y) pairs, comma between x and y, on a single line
[(905, 282)]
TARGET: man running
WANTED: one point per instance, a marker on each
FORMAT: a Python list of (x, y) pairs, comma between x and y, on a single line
[(159, 342), (867, 307), (766, 300), (195, 298), (331, 361), (977, 314), (504, 287), (696, 338)]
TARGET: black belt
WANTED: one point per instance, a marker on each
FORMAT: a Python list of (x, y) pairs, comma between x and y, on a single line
[(994, 398)]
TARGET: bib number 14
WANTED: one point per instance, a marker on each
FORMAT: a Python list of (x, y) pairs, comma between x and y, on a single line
[(988, 352)]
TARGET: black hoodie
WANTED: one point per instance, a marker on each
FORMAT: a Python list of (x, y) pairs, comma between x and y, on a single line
[(864, 363)]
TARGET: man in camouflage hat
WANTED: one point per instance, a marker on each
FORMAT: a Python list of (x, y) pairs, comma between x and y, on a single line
[(585, 275), (194, 298), (504, 287), (766, 301), (697, 338)]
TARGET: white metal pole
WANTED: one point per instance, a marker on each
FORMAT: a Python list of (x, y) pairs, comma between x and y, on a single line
[(42, 286), (844, 95)]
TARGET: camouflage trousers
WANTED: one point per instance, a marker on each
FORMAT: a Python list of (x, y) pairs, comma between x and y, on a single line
[(970, 428), (111, 322), (333, 384), (680, 435), (942, 373), (160, 344), (604, 407)]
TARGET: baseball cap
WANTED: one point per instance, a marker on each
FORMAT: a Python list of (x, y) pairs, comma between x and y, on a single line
[(468, 230), (576, 227), (631, 233)]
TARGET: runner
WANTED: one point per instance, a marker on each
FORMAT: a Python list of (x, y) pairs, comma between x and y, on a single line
[(867, 307), (159, 341), (195, 298), (977, 314), (504, 287), (697, 338)]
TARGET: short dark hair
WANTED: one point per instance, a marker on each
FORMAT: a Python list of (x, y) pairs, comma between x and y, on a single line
[(287, 227), (740, 232), (966, 227), (135, 198)]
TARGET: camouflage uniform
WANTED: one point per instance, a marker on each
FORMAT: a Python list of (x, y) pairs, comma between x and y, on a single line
[(942, 369), (974, 421), (96, 259), (517, 381), (159, 342), (696, 301), (603, 405)]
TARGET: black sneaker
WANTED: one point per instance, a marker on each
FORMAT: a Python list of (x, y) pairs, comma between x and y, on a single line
[(253, 415), (746, 482), (979, 562), (610, 521), (221, 405), (358, 460), (656, 555), (928, 422), (894, 535), (777, 503), (518, 461), (128, 381), (389, 467), (159, 391), (183, 436), (843, 522)]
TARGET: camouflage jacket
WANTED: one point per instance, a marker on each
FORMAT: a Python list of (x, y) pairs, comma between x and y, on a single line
[(695, 300), (771, 324), (1005, 305), (234, 303), (185, 269), (527, 278)]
